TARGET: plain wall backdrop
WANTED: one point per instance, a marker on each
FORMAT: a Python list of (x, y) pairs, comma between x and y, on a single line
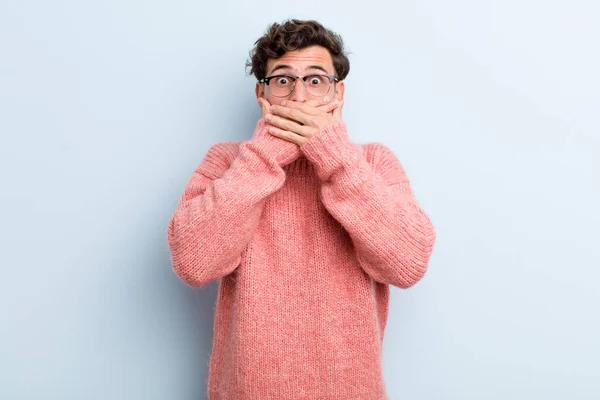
[(107, 107)]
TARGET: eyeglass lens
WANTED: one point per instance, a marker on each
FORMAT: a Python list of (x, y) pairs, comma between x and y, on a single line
[(315, 85)]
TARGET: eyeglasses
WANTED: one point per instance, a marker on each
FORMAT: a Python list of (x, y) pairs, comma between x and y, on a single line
[(283, 85)]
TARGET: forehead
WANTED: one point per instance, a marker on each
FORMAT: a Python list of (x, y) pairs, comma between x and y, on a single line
[(300, 60)]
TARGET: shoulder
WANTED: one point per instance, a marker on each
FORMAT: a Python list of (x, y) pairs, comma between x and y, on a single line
[(385, 161), (218, 159), (378, 153), (371, 150)]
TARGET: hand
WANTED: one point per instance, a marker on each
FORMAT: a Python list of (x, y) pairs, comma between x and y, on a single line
[(284, 151), (299, 122), (264, 106)]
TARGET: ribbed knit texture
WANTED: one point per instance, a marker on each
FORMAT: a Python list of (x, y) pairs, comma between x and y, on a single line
[(305, 241)]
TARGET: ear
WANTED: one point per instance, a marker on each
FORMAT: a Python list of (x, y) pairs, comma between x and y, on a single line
[(339, 90), (259, 90)]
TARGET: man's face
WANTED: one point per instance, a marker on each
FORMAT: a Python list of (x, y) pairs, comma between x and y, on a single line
[(310, 60)]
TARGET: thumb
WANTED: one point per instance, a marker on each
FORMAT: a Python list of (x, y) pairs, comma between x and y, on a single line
[(264, 105), (337, 112)]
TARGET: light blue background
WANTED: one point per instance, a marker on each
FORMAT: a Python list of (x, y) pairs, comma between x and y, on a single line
[(107, 107)]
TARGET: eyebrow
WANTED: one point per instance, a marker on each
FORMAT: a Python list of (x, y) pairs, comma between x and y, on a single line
[(285, 66)]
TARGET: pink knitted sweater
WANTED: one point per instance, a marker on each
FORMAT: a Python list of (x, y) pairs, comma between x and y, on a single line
[(305, 241)]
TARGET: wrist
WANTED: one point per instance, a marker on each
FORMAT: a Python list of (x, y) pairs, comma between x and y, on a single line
[(283, 151)]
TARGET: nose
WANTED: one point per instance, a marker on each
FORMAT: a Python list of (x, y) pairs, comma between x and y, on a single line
[(299, 93)]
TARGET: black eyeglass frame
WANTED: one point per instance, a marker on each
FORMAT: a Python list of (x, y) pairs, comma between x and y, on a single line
[(331, 79)]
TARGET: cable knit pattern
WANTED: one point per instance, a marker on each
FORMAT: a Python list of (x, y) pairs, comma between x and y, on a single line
[(305, 241)]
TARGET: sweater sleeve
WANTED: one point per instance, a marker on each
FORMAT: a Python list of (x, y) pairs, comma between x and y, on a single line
[(222, 203), (367, 191)]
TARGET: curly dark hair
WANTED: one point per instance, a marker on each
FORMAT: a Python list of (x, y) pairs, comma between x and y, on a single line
[(293, 35)]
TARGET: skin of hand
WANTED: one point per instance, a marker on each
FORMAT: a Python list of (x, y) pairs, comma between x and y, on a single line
[(298, 122)]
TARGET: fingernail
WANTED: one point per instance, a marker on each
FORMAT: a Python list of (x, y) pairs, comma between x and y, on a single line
[(326, 99), (272, 107), (335, 102), (283, 103), (268, 117)]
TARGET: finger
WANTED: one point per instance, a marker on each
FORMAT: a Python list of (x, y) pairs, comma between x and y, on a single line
[(288, 125), (308, 109), (291, 114), (264, 105), (269, 112), (317, 102), (286, 135), (337, 112), (331, 105)]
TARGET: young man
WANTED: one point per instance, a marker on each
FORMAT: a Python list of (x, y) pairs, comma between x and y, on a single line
[(305, 231)]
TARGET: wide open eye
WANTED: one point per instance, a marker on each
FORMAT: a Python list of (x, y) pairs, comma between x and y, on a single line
[(283, 81), (317, 80)]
